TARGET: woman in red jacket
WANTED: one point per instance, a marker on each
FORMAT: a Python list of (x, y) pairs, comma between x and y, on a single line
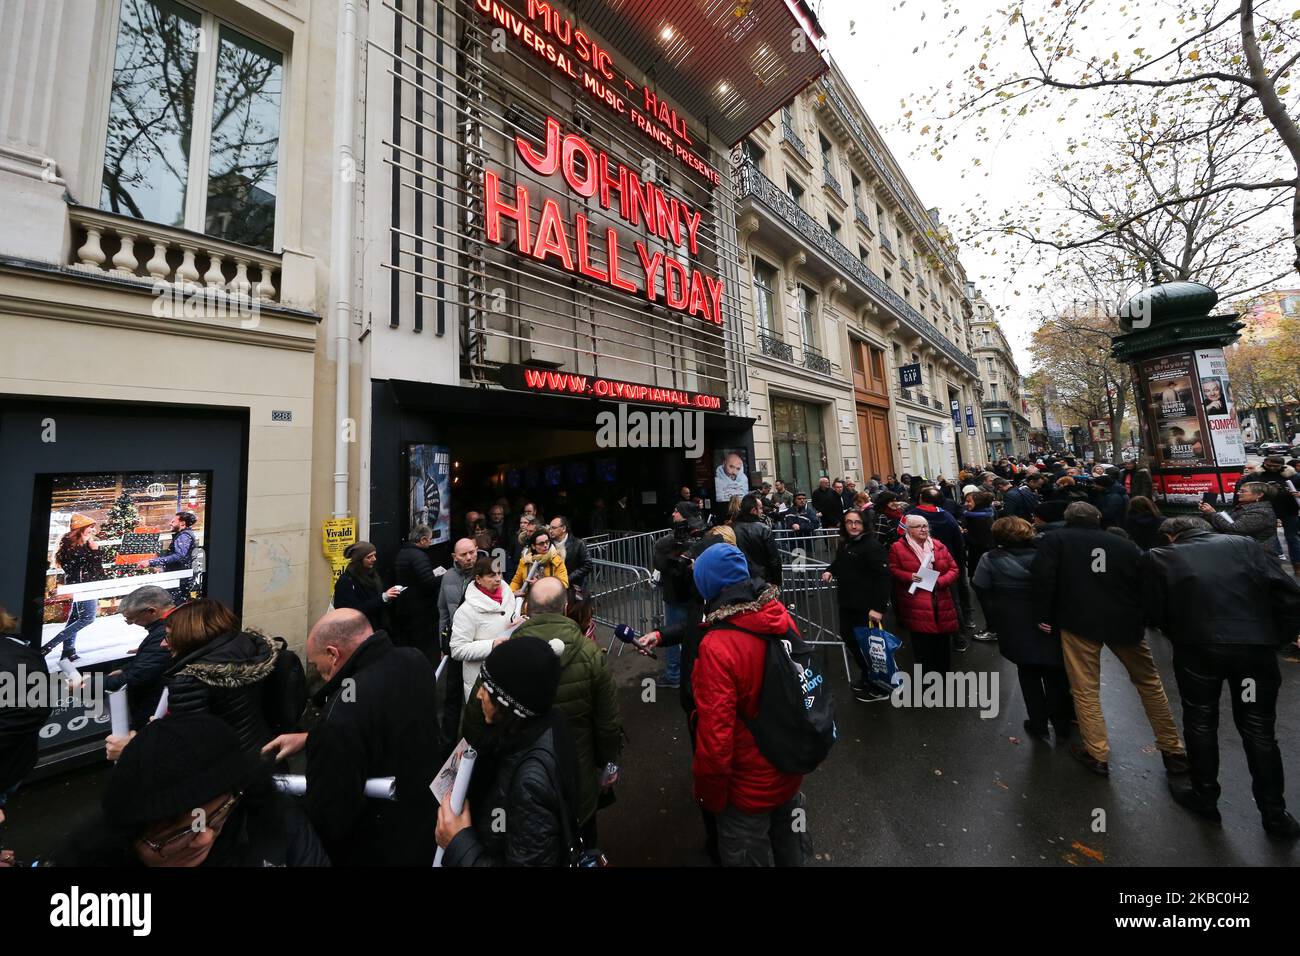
[(930, 616)]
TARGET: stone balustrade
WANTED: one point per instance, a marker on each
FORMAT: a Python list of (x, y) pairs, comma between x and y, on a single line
[(104, 243)]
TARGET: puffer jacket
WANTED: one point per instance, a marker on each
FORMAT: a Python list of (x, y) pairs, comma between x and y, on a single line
[(478, 622), (552, 566), (924, 612), (227, 678), (588, 698), (1284, 503), (1206, 588), (1004, 581), (525, 789), (1256, 520), (727, 681)]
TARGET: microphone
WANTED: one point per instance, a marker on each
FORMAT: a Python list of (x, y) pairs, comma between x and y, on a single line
[(625, 634)]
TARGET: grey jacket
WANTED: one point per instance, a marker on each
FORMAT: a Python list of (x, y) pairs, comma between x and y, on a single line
[(1256, 520), (450, 595)]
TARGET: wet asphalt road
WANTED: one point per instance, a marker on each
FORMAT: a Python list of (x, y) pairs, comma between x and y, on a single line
[(902, 786)]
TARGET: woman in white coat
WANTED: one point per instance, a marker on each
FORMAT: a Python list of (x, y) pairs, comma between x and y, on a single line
[(481, 620)]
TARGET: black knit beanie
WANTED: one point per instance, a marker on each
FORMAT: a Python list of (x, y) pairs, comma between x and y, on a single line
[(173, 766), (523, 674)]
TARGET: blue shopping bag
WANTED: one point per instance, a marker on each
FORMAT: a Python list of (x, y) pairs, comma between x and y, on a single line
[(879, 647)]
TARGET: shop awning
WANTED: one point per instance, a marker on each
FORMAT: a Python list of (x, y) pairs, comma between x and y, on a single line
[(730, 63)]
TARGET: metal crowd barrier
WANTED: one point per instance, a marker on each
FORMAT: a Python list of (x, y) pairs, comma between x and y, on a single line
[(813, 604), (624, 594), (636, 549), (817, 545)]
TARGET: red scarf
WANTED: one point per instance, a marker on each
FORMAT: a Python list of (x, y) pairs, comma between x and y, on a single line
[(494, 595)]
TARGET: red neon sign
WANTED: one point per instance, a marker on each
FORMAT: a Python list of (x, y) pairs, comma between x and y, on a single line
[(568, 383), (553, 38), (574, 247)]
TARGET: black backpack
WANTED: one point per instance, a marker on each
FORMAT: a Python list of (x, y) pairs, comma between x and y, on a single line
[(795, 724), (285, 697)]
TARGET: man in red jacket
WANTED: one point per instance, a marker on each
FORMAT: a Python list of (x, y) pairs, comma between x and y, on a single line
[(759, 809)]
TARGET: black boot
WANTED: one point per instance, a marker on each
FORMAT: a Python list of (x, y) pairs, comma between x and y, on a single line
[(1279, 823), (1189, 799)]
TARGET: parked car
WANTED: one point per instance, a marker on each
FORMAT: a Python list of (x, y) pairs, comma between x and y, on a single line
[(1252, 448), (1274, 448)]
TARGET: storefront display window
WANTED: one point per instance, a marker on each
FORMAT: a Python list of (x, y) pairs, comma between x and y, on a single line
[(800, 443)]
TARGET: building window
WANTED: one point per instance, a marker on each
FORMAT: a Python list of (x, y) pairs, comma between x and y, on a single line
[(800, 443), (765, 299), (808, 316), (993, 391), (756, 154), (985, 336), (795, 191), (864, 255), (833, 225), (194, 124), (993, 369)]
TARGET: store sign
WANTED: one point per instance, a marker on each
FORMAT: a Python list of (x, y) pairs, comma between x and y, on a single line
[(571, 244), (591, 386), (909, 375), (552, 37)]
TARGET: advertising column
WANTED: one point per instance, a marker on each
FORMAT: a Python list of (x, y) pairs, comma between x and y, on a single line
[(1196, 441)]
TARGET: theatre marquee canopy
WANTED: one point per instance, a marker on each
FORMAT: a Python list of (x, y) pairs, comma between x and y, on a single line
[(731, 63)]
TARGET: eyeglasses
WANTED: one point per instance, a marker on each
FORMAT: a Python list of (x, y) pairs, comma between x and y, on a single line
[(214, 822)]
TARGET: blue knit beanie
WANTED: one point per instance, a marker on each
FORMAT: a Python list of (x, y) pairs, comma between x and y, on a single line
[(718, 567)]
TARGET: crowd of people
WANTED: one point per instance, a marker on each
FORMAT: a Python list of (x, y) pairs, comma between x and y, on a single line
[(1059, 559)]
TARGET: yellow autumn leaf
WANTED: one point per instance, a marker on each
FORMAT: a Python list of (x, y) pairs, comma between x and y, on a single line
[(1194, 55)]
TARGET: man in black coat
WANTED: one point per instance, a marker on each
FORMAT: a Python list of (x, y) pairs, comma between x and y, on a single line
[(1020, 502), (827, 503), (378, 719), (417, 612), (20, 726), (1088, 588), (142, 675), (672, 557), (1226, 606), (573, 549), (755, 539)]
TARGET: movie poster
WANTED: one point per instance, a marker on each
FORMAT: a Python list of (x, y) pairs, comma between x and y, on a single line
[(731, 477), (106, 535), (1219, 408), (1174, 389), (430, 489)]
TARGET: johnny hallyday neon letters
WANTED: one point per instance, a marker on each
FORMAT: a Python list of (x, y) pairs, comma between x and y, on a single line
[(591, 173)]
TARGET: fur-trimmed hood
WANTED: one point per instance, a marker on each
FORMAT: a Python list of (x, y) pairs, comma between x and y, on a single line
[(1259, 474), (744, 598), (233, 660)]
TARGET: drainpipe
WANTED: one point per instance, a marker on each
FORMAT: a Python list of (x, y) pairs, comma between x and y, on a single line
[(341, 251)]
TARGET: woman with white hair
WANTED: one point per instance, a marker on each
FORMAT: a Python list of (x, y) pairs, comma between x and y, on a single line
[(930, 615)]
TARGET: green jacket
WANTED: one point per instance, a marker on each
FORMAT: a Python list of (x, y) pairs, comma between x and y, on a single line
[(587, 697)]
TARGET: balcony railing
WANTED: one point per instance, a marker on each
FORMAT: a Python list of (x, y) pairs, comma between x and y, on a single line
[(997, 403), (905, 265), (886, 244), (906, 394), (924, 225), (774, 347), (788, 135), (863, 220), (751, 183), (831, 183), (815, 361), (104, 243)]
